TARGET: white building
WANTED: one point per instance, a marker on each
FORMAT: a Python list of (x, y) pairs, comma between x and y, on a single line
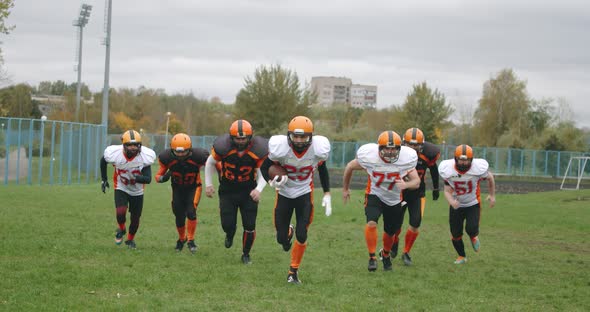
[(341, 90)]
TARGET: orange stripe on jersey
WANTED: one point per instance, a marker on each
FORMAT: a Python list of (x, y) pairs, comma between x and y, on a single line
[(197, 197)]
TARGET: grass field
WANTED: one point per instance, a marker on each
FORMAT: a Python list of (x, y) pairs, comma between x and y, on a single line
[(57, 253)]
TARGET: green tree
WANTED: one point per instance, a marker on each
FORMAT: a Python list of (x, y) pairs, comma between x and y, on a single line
[(503, 110), (5, 7), (425, 109), (271, 98)]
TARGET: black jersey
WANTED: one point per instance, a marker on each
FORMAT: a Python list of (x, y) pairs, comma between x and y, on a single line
[(426, 159), (185, 172), (237, 169)]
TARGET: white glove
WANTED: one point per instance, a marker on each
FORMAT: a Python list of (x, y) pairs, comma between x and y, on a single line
[(278, 181), (327, 204)]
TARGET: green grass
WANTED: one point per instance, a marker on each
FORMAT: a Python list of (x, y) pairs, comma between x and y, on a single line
[(57, 253)]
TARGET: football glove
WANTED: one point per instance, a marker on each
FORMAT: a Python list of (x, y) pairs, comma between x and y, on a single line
[(165, 177), (327, 204), (435, 194), (104, 185), (278, 181)]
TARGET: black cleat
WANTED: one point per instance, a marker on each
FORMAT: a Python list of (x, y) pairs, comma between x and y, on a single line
[(119, 236), (292, 278), (372, 265), (192, 246), (130, 244), (287, 246), (393, 252), (246, 259), (179, 245), (406, 258), (386, 261), (229, 241)]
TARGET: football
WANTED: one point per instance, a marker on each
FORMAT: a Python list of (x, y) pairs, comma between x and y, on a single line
[(276, 170)]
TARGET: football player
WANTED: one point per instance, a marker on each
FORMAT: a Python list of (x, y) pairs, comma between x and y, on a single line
[(181, 164), (391, 168), (239, 155), (428, 154), (132, 163), (462, 176), (300, 152)]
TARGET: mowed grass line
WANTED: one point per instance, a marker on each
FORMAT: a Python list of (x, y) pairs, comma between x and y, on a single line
[(57, 253)]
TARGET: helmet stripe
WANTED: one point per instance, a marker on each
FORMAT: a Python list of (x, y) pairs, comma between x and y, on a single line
[(415, 134), (464, 150), (390, 138), (240, 128)]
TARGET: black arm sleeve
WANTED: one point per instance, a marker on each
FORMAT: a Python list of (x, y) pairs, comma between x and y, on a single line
[(264, 168), (146, 175), (324, 177), (435, 176), (103, 169)]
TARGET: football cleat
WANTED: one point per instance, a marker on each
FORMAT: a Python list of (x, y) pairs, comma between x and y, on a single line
[(406, 259), (393, 252), (130, 244), (461, 260), (246, 259), (475, 243), (292, 278), (179, 245), (372, 265), (386, 261), (119, 236), (192, 246), (229, 241), (287, 246)]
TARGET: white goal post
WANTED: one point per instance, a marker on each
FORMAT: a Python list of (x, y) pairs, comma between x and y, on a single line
[(582, 160)]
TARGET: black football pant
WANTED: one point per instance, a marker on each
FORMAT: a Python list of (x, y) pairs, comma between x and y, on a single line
[(135, 204), (229, 204), (392, 215), (303, 207), (184, 203)]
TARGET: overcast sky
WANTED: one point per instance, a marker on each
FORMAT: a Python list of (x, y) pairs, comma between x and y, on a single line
[(208, 47)]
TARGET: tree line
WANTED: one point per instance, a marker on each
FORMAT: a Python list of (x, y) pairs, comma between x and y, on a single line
[(505, 115)]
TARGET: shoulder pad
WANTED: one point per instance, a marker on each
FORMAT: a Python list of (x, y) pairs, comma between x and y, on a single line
[(431, 151), (111, 152), (278, 147), (148, 155), (222, 145), (199, 155), (321, 146), (259, 146), (165, 156), (408, 158), (446, 168), (367, 153), (479, 167)]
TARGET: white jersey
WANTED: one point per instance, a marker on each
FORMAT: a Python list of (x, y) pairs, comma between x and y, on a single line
[(465, 186), (300, 168), (126, 169), (383, 175)]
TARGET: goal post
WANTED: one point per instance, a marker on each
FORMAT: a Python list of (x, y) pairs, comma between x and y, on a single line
[(580, 165)]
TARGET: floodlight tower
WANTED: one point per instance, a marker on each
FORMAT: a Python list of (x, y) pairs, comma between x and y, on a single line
[(80, 23), (105, 90)]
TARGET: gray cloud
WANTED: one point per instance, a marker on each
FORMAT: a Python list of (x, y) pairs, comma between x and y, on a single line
[(209, 47)]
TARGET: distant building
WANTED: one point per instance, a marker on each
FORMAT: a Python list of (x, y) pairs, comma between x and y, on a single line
[(50, 103), (341, 90)]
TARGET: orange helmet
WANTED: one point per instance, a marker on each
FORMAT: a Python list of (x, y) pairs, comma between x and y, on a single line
[(390, 144), (180, 142), (131, 138), (240, 129), (300, 126), (463, 152)]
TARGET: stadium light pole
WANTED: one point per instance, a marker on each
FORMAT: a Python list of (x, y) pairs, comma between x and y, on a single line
[(80, 23), (105, 89), (167, 124)]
